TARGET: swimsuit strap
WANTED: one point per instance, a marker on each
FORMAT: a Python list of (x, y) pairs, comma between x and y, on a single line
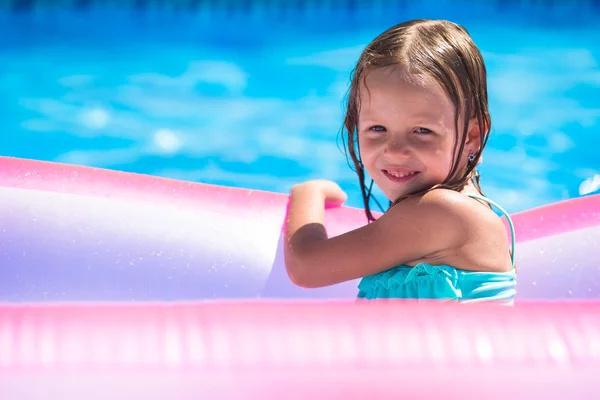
[(510, 223)]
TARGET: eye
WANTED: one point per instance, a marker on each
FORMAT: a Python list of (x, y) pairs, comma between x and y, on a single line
[(423, 131), (377, 128)]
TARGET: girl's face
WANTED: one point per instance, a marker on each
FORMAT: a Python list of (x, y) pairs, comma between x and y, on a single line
[(406, 131)]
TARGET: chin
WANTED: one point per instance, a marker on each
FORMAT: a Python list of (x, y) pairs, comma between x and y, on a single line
[(392, 194), (396, 196)]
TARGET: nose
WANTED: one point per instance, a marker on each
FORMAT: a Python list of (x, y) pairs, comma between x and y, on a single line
[(396, 149)]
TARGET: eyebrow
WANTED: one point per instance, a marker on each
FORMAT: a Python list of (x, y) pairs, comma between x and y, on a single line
[(425, 116)]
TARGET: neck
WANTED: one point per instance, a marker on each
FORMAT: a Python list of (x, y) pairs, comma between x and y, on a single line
[(471, 188)]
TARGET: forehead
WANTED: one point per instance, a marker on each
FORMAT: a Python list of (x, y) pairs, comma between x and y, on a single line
[(395, 88)]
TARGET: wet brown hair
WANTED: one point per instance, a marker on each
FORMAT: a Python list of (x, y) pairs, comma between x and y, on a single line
[(445, 52)]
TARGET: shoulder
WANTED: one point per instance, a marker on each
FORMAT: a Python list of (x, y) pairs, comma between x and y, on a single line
[(441, 219), (464, 230), (446, 199), (428, 224), (439, 208), (459, 209)]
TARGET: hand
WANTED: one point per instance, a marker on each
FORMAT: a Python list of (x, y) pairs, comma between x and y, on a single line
[(330, 191)]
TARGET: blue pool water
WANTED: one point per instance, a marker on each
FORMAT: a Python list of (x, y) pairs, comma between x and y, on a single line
[(249, 95)]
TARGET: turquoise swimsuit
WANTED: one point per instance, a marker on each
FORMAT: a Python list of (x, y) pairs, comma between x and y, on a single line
[(443, 282)]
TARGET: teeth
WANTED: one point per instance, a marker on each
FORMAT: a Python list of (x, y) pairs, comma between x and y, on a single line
[(401, 174)]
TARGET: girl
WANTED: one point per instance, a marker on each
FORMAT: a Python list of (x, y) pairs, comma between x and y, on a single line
[(417, 122)]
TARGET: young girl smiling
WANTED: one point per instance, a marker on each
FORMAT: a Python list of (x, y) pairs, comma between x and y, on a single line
[(417, 123)]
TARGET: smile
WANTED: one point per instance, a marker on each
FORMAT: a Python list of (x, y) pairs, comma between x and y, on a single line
[(399, 176)]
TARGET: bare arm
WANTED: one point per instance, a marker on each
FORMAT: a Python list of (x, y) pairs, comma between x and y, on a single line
[(410, 230)]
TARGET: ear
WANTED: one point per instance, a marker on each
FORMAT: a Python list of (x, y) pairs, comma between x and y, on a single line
[(473, 142)]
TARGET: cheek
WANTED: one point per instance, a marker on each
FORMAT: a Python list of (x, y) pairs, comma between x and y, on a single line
[(368, 155), (367, 150), (440, 162)]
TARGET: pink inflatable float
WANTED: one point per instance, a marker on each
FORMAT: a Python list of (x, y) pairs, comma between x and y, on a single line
[(104, 277)]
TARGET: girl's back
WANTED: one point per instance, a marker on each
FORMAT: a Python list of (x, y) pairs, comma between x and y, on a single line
[(480, 277)]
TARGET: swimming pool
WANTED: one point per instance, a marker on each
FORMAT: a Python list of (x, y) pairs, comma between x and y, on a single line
[(214, 95), (251, 95)]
